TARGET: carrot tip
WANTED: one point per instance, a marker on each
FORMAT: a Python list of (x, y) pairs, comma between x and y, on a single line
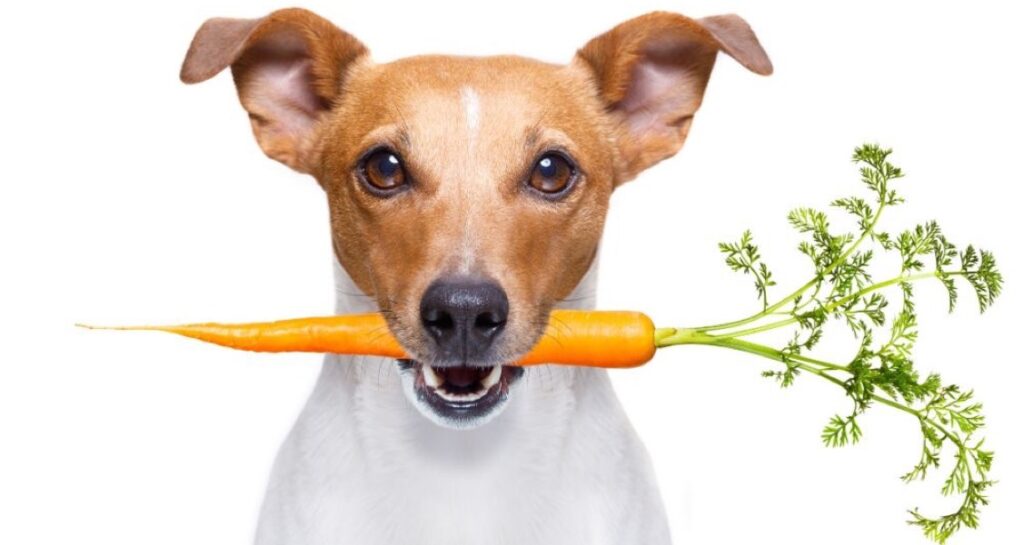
[(111, 327)]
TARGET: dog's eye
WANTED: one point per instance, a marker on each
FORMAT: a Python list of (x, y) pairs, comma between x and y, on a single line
[(552, 175), (382, 171)]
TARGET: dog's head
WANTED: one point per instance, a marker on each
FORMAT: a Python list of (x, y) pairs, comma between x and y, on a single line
[(468, 195)]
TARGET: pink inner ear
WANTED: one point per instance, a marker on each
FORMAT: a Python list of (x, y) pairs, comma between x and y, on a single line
[(281, 93), (278, 90), (666, 86)]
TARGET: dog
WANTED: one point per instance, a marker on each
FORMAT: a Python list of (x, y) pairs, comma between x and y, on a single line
[(467, 198)]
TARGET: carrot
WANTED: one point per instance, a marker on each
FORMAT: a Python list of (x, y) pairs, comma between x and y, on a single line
[(573, 337)]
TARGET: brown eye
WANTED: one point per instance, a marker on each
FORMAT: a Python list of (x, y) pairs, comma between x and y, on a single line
[(552, 175), (382, 172)]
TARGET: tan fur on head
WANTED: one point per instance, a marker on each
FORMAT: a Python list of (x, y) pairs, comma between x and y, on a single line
[(469, 132)]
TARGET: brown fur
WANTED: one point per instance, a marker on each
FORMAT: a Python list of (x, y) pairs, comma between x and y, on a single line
[(468, 210)]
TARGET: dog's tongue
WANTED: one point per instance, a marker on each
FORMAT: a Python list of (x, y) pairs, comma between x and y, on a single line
[(462, 376)]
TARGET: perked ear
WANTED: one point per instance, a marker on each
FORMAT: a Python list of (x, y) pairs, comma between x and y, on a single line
[(288, 67), (651, 72)]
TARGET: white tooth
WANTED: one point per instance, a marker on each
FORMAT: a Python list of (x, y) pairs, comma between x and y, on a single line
[(430, 377), (492, 378), (473, 396)]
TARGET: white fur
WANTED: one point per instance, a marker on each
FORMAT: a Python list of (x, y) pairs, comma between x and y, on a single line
[(560, 466), (471, 104), (471, 110)]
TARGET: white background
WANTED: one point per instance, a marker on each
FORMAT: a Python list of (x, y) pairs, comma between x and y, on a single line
[(128, 197)]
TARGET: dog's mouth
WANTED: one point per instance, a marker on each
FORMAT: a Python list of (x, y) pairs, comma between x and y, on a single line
[(459, 396)]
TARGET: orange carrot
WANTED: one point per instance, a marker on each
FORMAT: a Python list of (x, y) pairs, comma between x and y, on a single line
[(573, 337), (594, 339)]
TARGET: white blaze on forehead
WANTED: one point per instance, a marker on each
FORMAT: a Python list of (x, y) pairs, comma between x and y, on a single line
[(467, 248), (471, 105), (468, 243)]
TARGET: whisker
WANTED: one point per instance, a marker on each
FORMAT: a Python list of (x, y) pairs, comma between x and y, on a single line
[(545, 332), (381, 330), (580, 298), (568, 328), (553, 338), (351, 294)]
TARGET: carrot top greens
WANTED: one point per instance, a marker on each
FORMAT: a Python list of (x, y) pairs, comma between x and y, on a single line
[(882, 369)]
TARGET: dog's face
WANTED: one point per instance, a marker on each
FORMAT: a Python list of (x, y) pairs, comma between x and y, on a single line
[(486, 179), (468, 195)]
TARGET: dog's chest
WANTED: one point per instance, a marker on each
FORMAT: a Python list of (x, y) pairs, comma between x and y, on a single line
[(361, 467), (470, 508), (510, 481)]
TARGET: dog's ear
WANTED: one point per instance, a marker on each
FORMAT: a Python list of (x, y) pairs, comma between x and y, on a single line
[(288, 67), (651, 72)]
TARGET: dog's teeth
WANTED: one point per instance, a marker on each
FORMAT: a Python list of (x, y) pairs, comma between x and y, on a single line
[(461, 397), (430, 377), (492, 378), (433, 380)]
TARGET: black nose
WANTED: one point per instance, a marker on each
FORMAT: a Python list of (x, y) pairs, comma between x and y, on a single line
[(463, 315)]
